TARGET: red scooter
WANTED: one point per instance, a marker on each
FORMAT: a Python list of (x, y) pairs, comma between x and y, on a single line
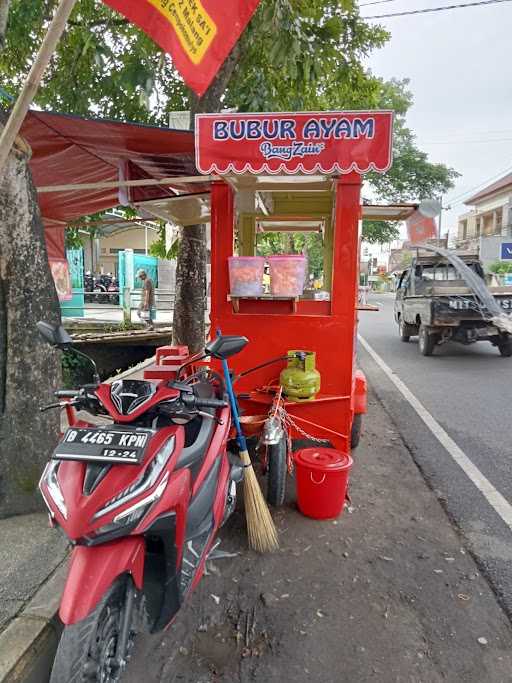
[(141, 500)]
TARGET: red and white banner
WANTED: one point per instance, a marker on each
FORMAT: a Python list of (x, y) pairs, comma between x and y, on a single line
[(198, 34), (327, 142), (420, 228)]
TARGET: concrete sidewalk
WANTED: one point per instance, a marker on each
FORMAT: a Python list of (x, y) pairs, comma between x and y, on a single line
[(387, 592)]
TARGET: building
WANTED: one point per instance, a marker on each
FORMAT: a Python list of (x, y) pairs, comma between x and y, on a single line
[(116, 234), (488, 225)]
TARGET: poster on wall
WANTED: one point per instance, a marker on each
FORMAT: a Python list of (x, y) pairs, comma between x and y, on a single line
[(306, 142), (61, 278)]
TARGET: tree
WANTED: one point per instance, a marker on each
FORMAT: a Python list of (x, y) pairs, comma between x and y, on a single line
[(380, 232), (4, 13), (321, 43), (412, 177), (293, 55), (28, 369), (500, 267)]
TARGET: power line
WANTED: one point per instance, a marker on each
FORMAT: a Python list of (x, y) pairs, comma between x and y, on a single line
[(467, 142), (437, 9), (376, 2)]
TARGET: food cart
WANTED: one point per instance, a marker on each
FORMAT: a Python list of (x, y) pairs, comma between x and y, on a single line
[(290, 173)]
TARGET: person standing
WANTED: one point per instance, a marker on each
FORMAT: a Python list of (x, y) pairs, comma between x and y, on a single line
[(146, 307)]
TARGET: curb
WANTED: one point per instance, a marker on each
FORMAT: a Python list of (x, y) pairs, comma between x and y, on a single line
[(29, 642)]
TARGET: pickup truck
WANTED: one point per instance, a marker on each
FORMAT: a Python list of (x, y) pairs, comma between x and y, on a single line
[(435, 303)]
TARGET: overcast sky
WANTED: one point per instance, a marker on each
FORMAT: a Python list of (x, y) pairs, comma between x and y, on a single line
[(459, 63)]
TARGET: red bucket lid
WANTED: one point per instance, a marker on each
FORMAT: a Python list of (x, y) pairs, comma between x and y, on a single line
[(324, 459)]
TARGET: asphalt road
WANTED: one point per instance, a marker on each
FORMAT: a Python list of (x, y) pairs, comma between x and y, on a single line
[(468, 390)]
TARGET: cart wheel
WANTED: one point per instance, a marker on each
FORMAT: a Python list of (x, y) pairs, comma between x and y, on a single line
[(426, 341), (276, 473), (355, 434)]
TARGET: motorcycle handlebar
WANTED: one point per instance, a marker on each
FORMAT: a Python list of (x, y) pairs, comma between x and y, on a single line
[(67, 393), (210, 403)]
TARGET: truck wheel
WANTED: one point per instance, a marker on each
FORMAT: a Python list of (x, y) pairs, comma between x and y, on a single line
[(505, 349), (426, 341), (403, 330), (276, 473), (355, 434)]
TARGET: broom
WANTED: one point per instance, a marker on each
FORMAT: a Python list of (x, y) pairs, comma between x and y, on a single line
[(260, 525)]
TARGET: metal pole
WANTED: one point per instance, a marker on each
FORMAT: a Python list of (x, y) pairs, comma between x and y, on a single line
[(13, 125), (127, 305), (440, 220)]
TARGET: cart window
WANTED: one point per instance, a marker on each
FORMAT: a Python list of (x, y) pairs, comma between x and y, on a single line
[(308, 244)]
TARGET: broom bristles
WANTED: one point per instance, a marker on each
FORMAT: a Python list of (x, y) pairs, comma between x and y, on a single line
[(260, 525)]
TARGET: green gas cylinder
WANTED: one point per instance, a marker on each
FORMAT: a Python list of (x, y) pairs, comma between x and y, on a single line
[(300, 379)]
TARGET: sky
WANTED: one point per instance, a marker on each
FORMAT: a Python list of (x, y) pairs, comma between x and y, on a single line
[(459, 63)]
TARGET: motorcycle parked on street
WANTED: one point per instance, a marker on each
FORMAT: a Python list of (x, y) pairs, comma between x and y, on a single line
[(141, 501)]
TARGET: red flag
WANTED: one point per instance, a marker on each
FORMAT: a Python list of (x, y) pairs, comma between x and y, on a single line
[(420, 228), (198, 34)]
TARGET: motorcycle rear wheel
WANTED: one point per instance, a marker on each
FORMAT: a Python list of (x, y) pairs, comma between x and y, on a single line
[(87, 649)]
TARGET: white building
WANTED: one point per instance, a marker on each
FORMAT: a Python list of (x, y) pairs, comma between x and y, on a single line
[(488, 225)]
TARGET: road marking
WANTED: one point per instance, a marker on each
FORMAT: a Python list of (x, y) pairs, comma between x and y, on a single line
[(500, 504)]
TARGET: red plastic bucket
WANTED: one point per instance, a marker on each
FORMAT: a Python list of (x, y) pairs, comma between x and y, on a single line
[(322, 480)]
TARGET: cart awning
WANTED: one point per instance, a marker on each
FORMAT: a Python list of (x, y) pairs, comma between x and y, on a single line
[(388, 212), (71, 150)]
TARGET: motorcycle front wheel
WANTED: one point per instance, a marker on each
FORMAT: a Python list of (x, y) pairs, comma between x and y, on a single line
[(87, 650)]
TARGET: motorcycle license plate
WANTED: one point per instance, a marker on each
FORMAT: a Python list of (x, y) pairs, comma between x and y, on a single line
[(123, 445)]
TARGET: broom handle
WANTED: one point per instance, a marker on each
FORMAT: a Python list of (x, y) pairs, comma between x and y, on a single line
[(234, 407), (242, 444)]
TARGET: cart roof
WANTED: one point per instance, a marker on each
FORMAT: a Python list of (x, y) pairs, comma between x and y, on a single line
[(69, 151), (78, 163)]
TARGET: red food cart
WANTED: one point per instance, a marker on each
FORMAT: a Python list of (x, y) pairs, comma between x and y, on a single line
[(290, 173)]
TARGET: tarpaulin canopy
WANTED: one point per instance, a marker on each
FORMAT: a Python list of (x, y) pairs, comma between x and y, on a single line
[(69, 150)]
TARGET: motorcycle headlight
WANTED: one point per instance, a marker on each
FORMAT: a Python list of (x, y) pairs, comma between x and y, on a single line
[(144, 482), (132, 515), (53, 488)]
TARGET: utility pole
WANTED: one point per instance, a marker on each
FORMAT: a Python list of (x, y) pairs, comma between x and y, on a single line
[(440, 220)]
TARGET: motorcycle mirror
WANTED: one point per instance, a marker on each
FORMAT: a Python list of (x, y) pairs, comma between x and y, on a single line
[(182, 386), (225, 346), (55, 335)]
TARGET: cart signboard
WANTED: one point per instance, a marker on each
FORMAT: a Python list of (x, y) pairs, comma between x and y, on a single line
[(323, 143)]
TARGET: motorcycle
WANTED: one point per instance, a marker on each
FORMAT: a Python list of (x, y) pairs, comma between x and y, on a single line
[(96, 288), (113, 290), (141, 501), (89, 280)]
